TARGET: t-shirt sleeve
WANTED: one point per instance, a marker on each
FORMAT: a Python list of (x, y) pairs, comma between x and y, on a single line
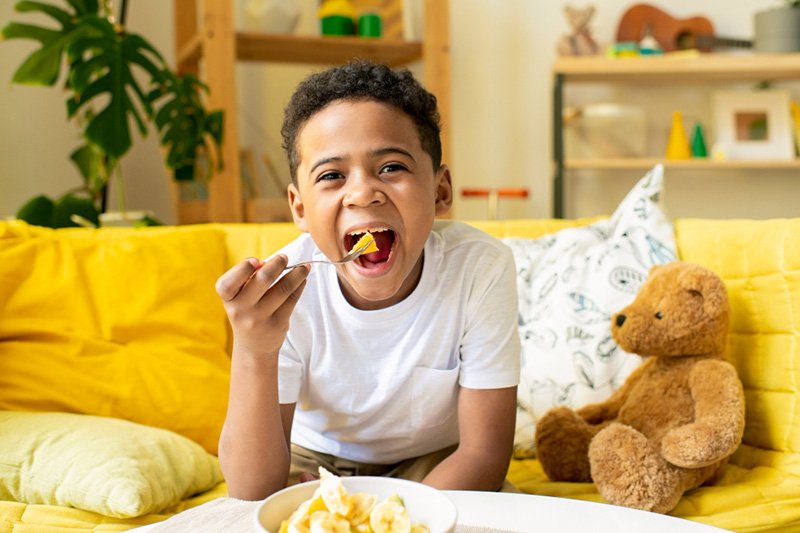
[(490, 349), (290, 373)]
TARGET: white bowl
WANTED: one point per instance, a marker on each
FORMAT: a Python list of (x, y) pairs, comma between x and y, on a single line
[(425, 504)]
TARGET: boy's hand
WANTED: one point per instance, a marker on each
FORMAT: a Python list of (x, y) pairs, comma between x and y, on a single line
[(257, 306)]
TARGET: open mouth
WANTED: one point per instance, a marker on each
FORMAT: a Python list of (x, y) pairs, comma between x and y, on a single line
[(384, 239)]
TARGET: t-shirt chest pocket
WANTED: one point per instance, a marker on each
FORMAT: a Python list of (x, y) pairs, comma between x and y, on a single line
[(434, 396)]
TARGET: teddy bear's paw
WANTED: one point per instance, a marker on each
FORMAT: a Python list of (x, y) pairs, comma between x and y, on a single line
[(695, 446), (628, 471), (562, 444)]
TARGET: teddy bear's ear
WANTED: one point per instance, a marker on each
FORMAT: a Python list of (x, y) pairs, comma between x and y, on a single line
[(708, 285)]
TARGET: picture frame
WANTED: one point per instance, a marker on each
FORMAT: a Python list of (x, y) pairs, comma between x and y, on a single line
[(753, 125)]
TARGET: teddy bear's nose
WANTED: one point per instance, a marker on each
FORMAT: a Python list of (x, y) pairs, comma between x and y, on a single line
[(620, 320)]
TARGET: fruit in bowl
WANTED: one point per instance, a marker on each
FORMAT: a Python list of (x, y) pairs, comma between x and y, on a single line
[(359, 504)]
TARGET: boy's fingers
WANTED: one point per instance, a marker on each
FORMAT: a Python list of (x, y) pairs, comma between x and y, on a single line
[(272, 268), (284, 289), (231, 282), (285, 309), (307, 476)]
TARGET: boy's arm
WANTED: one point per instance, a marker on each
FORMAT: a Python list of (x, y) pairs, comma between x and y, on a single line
[(486, 420), (254, 448), (254, 461)]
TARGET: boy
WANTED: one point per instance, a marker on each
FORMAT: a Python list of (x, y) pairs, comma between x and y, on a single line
[(404, 362)]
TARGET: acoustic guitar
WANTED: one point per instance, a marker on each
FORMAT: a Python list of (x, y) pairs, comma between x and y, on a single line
[(671, 33)]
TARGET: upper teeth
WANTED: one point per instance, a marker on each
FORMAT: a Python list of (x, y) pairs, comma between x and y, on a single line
[(371, 230)]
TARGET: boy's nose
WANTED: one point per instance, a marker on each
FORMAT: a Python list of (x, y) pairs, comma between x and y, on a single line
[(363, 191)]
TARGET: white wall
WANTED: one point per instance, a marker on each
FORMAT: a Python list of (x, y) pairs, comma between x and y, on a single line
[(502, 54)]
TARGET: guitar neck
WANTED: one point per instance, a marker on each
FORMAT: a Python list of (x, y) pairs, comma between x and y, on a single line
[(708, 42)]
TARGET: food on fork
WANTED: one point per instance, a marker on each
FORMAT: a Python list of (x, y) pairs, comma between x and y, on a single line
[(366, 238), (332, 510)]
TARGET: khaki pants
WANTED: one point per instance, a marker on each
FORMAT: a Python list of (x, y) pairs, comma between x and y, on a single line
[(414, 469)]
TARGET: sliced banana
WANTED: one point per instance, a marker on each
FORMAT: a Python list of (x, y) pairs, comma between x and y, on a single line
[(362, 506), (325, 522), (298, 522), (333, 493), (390, 516)]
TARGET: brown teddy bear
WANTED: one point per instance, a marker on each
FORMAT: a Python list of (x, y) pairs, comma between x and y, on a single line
[(676, 419)]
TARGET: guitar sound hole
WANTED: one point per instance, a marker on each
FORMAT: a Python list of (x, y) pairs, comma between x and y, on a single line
[(685, 40)]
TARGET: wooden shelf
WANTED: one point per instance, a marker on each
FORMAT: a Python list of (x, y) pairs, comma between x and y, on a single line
[(277, 48), (679, 68), (643, 163)]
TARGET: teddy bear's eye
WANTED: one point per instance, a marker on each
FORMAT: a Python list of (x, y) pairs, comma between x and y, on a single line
[(659, 315)]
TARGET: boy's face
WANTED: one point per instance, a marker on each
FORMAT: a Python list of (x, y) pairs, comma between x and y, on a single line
[(362, 168)]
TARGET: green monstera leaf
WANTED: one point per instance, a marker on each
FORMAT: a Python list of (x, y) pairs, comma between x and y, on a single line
[(100, 57), (104, 64), (43, 66), (102, 70)]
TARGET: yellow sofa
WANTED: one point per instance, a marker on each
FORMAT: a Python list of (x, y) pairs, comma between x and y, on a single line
[(124, 323)]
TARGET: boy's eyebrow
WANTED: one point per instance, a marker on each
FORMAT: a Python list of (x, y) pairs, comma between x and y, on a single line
[(323, 161), (393, 150), (378, 152)]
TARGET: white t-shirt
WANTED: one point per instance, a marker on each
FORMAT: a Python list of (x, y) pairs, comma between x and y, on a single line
[(381, 386)]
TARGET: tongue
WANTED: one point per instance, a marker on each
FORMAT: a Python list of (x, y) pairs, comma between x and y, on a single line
[(383, 240)]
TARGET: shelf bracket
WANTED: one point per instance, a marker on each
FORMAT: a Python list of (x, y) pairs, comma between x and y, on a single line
[(558, 146)]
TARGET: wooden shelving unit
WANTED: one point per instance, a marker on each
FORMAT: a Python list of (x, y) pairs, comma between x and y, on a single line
[(710, 68), (215, 46)]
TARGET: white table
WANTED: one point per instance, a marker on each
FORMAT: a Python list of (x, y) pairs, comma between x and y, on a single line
[(477, 512), (540, 514)]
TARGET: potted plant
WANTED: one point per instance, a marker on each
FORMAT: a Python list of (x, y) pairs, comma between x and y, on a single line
[(114, 79), (778, 29)]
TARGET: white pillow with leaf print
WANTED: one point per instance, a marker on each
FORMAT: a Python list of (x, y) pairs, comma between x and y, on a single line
[(570, 283)]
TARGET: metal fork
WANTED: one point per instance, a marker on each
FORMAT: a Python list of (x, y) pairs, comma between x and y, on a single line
[(346, 259)]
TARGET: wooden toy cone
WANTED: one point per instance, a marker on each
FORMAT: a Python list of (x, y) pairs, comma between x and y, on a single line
[(698, 142), (678, 144)]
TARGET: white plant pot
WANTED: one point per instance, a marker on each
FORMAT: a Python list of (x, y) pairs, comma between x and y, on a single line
[(123, 218), (777, 30), (271, 16)]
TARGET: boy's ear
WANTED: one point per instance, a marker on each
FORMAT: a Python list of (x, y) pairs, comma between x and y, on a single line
[(297, 207), (444, 190)]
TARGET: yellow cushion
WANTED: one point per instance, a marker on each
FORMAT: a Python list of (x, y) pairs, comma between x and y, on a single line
[(106, 465), (115, 322), (760, 264), (256, 240), (18, 517)]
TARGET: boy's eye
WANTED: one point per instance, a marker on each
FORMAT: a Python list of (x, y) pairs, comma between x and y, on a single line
[(392, 167), (328, 176)]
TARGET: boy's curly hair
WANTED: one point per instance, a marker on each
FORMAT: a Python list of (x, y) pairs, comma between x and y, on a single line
[(362, 80)]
